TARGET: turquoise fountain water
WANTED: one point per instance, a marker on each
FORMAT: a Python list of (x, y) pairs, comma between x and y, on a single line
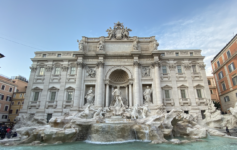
[(213, 143)]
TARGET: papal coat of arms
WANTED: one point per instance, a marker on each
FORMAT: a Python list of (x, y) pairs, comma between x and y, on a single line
[(119, 32)]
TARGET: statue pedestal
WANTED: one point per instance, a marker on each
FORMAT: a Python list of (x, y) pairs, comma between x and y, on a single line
[(116, 117)]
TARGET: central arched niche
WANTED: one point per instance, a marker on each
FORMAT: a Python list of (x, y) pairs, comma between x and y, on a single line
[(119, 77)]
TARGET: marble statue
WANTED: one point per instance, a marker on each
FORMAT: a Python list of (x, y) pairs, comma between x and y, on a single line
[(134, 113), (146, 72), (90, 96), (126, 32), (233, 111), (145, 110), (91, 72), (135, 45), (80, 43), (100, 45), (118, 102), (110, 32), (155, 45), (147, 95), (98, 114), (85, 113)]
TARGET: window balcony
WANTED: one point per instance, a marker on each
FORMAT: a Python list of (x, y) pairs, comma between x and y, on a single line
[(201, 100), (51, 104), (67, 103), (35, 104), (168, 101), (183, 101)]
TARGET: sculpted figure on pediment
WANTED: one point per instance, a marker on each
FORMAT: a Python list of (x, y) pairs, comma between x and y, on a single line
[(80, 45), (155, 45), (135, 47), (126, 32), (118, 32), (100, 46), (110, 32)]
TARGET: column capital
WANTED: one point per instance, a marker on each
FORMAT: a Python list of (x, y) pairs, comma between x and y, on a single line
[(172, 67), (187, 66), (80, 64), (100, 64), (64, 68), (33, 68), (156, 63), (136, 63), (202, 66), (48, 68)]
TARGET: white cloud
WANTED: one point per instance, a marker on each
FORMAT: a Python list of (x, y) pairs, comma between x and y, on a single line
[(209, 31)]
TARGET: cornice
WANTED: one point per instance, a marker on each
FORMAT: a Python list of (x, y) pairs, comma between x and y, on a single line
[(228, 60)]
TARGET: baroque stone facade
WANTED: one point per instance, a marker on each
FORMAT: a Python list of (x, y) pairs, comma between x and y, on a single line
[(67, 82)]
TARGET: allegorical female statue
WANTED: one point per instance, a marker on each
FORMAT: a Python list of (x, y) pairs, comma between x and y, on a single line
[(90, 96), (147, 95), (119, 102)]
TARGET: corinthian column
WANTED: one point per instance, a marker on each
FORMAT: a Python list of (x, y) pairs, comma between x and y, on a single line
[(136, 84), (107, 95), (157, 84), (100, 84), (78, 89), (130, 94)]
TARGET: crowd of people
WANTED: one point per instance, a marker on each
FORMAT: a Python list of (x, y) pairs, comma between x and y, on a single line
[(6, 132)]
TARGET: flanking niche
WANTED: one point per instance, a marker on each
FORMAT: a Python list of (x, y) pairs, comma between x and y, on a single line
[(147, 94), (89, 95)]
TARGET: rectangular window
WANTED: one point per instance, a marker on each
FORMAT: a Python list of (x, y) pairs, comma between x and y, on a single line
[(4, 116), (234, 80), (73, 70), (20, 95), (223, 86), (8, 98), (36, 96), (163, 54), (231, 67), (1, 97), (176, 54), (199, 94), (14, 96), (49, 116), (194, 68), (44, 55), (211, 91), (10, 89), (226, 98), (3, 87), (52, 96), (59, 55), (69, 95), (164, 70), (183, 95), (218, 64), (179, 69), (6, 108), (41, 71), (209, 82), (228, 54), (57, 70), (220, 74), (167, 94), (191, 53)]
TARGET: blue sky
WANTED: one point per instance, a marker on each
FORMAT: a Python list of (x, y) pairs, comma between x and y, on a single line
[(42, 25)]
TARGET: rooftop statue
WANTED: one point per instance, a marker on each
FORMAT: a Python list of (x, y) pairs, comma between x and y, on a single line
[(118, 32)]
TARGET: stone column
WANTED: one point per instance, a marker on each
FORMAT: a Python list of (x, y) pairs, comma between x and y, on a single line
[(100, 84), (136, 84), (204, 77), (43, 96), (107, 95), (126, 88), (28, 90), (130, 95), (78, 89), (157, 84), (191, 90), (175, 90)]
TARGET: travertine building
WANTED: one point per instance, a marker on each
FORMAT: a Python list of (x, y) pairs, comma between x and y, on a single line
[(224, 69), (65, 81)]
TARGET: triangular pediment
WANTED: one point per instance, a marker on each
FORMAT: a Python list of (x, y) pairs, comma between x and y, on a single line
[(183, 86), (37, 88), (53, 88), (198, 86), (166, 87), (70, 88)]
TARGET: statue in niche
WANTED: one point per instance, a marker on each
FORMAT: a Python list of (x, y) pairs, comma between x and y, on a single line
[(110, 32), (91, 72), (146, 72), (145, 110), (119, 106), (100, 45), (147, 95), (155, 45), (135, 45), (90, 97)]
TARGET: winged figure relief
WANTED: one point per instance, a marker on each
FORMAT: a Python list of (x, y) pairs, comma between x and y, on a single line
[(91, 72)]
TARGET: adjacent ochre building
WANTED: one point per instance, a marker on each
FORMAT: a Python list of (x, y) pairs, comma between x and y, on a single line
[(213, 89), (224, 69), (16, 105), (63, 82)]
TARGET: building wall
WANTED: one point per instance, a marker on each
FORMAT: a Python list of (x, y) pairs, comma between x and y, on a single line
[(227, 79), (21, 85), (4, 102), (172, 80), (16, 104)]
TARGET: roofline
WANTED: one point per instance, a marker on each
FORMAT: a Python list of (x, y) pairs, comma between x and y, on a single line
[(225, 47)]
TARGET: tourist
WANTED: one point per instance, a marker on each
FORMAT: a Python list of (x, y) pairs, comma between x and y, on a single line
[(227, 131), (14, 134), (9, 132), (3, 131)]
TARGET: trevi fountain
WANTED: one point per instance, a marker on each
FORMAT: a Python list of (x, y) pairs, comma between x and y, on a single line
[(120, 92)]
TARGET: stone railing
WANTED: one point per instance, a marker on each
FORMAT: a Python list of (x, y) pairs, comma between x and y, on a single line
[(35, 104), (201, 100), (168, 101), (51, 104), (67, 103), (183, 101)]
